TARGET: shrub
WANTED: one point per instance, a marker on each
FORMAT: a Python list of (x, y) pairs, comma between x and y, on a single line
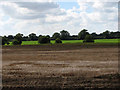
[(4, 40), (18, 37), (16, 42), (88, 38), (43, 39), (56, 35), (58, 40)]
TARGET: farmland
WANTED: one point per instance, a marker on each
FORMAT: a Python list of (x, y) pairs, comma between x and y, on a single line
[(60, 66), (73, 41)]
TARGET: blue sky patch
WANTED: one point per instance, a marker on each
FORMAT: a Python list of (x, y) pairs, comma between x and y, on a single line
[(68, 5)]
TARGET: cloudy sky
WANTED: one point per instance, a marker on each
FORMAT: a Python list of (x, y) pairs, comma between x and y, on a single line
[(36, 16)]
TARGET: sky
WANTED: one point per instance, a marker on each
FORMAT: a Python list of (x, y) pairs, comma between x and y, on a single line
[(50, 16)]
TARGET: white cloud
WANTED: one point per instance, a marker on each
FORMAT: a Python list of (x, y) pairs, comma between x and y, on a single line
[(30, 10), (48, 17)]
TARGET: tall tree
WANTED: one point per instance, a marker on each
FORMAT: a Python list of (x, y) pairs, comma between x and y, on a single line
[(56, 35), (94, 35), (18, 37), (4, 40), (82, 34), (64, 35), (33, 37), (43, 39), (106, 34), (10, 37)]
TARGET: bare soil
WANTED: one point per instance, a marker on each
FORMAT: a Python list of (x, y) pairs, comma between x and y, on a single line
[(60, 67)]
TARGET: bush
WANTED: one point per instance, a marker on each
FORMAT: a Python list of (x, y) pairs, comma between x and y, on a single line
[(88, 38), (16, 42), (43, 39), (18, 37), (58, 40), (4, 40)]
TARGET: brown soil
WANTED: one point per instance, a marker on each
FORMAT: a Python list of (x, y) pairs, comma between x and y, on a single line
[(60, 67)]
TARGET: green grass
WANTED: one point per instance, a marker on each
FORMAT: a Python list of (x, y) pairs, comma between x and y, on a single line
[(30, 43), (107, 41), (68, 41), (72, 41)]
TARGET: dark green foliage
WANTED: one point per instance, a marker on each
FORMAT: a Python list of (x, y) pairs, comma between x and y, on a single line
[(39, 36), (4, 40), (25, 38), (0, 40), (56, 35), (82, 34), (43, 39), (58, 40), (15, 42), (106, 34), (64, 35), (33, 37), (88, 38), (17, 39), (10, 37), (94, 35), (48, 36)]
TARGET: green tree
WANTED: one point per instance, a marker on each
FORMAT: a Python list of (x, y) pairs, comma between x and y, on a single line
[(0, 40), (64, 35), (10, 37), (4, 40), (33, 37), (48, 36), (15, 42), (43, 39), (82, 34), (94, 35), (18, 37), (88, 38), (58, 40), (56, 35), (106, 34)]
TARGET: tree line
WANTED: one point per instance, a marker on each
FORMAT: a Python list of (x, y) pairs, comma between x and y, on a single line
[(58, 36)]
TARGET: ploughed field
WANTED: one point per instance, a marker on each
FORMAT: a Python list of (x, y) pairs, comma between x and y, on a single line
[(68, 66)]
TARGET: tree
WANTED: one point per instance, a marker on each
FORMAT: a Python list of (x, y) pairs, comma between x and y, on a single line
[(33, 37), (43, 39), (48, 36), (25, 38), (4, 40), (94, 35), (15, 42), (115, 34), (56, 35), (58, 40), (82, 34), (88, 38), (39, 36), (18, 37), (73, 37), (0, 40), (64, 35), (10, 37), (106, 34)]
